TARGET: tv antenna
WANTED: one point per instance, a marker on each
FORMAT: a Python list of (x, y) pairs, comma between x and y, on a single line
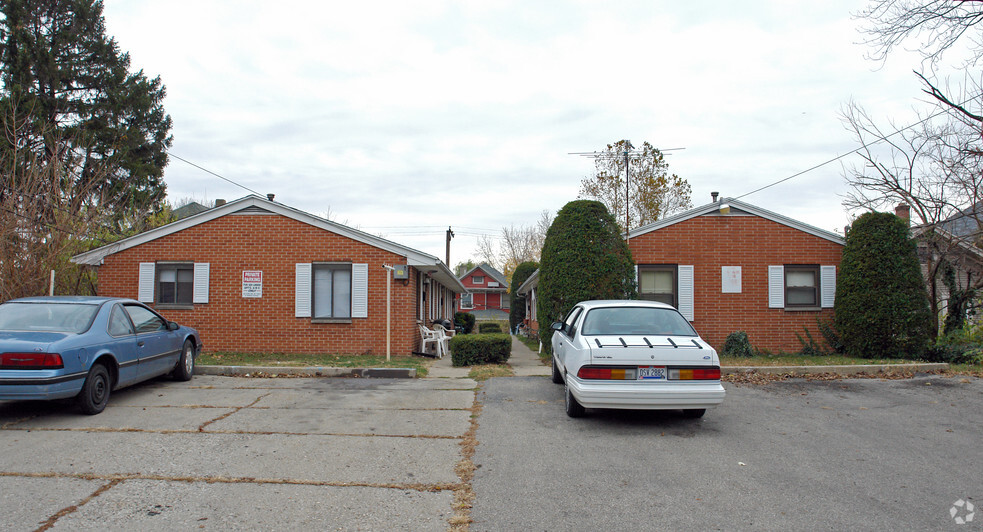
[(628, 153)]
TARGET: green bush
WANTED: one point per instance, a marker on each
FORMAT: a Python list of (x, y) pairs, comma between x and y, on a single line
[(584, 257), (881, 304), (738, 345), (465, 320), (476, 349), (485, 328), (961, 346), (517, 303)]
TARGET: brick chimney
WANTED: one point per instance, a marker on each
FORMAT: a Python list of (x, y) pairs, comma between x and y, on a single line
[(903, 210)]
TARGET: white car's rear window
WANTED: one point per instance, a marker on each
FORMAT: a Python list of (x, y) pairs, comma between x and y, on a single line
[(48, 317), (631, 321)]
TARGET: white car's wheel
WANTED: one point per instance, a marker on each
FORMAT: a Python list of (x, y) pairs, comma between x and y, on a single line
[(694, 413), (557, 376), (574, 409)]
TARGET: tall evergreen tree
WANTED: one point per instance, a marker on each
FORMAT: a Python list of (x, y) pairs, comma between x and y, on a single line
[(881, 303), (85, 107), (584, 257)]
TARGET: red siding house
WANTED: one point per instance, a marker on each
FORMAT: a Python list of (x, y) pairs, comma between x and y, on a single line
[(258, 276), (488, 293), (731, 266)]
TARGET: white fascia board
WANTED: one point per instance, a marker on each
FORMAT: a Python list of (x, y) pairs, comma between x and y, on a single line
[(739, 205), (438, 270), (531, 282)]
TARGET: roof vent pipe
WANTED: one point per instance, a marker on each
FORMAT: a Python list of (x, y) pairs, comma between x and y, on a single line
[(714, 196), (219, 202), (270, 196)]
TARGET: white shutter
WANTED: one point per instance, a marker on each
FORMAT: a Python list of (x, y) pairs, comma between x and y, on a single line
[(360, 290), (685, 287), (827, 281), (638, 287), (201, 283), (302, 291), (776, 286), (145, 287)]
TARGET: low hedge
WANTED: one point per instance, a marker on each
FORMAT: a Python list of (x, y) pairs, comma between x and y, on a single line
[(485, 328), (477, 349)]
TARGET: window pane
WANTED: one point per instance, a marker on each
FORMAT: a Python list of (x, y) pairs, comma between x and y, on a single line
[(322, 293), (185, 292), (119, 324), (145, 320), (794, 278), (342, 293), (636, 321), (185, 276), (166, 292), (800, 296), (167, 275), (657, 281)]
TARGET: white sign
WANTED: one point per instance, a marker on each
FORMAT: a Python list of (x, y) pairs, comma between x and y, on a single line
[(730, 279), (252, 283)]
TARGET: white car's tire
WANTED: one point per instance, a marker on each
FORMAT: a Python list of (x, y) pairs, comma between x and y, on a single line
[(574, 409), (557, 376)]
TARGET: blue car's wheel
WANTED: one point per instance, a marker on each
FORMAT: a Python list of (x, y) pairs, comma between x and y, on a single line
[(185, 368), (95, 391)]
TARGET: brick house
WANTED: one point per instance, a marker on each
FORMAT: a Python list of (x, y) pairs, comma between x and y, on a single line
[(731, 266), (258, 276), (487, 294)]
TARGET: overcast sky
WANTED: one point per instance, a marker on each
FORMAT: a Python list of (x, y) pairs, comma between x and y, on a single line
[(403, 118)]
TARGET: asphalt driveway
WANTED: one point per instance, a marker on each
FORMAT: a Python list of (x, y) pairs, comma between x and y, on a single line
[(797, 455), (233, 453)]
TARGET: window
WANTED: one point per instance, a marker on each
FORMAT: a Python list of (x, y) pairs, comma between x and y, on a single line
[(332, 291), (571, 319), (467, 300), (802, 286), (478, 279), (175, 283), (657, 283), (119, 323), (145, 320)]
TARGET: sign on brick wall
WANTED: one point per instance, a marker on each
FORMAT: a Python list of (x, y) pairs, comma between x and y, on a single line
[(252, 283)]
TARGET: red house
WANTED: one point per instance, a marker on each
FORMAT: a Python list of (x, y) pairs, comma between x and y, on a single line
[(731, 266), (258, 276), (487, 294)]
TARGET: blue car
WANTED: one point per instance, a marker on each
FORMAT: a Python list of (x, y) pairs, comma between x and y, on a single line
[(85, 347)]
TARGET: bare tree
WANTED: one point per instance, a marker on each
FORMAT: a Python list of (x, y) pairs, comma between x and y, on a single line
[(651, 191), (46, 215), (936, 169)]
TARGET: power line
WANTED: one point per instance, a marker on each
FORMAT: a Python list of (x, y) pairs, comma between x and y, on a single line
[(865, 145), (213, 173)]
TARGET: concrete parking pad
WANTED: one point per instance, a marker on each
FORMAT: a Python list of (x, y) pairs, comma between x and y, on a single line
[(239, 453), (159, 505)]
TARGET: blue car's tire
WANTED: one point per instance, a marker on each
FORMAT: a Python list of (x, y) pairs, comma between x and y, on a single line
[(185, 368), (95, 391)]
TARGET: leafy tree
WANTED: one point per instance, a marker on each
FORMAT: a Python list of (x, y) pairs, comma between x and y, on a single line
[(85, 108), (584, 257), (881, 305), (653, 193), (517, 303)]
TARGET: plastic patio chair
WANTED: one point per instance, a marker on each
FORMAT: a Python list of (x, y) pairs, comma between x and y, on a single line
[(428, 336), (445, 337)]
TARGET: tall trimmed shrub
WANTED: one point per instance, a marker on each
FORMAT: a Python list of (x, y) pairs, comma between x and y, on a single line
[(881, 303), (584, 257), (517, 303)]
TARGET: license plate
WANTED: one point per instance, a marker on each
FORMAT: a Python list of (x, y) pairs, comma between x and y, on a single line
[(652, 372)]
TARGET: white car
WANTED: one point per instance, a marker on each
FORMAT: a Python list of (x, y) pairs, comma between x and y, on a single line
[(634, 355)]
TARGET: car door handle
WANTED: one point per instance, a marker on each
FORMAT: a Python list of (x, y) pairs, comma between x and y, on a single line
[(139, 344)]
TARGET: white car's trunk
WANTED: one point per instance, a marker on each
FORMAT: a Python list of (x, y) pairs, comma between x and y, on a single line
[(650, 351)]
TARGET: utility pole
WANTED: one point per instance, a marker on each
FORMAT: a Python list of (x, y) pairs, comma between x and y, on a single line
[(450, 235)]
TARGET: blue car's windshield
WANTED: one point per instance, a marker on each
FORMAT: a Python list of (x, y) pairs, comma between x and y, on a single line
[(53, 317), (636, 321)]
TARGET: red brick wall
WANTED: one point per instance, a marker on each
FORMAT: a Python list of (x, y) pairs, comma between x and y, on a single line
[(753, 243), (272, 244)]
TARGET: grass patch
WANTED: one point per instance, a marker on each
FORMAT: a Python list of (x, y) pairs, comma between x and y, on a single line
[(487, 371), (226, 358), (801, 360)]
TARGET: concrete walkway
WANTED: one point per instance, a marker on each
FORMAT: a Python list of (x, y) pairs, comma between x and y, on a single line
[(524, 361)]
